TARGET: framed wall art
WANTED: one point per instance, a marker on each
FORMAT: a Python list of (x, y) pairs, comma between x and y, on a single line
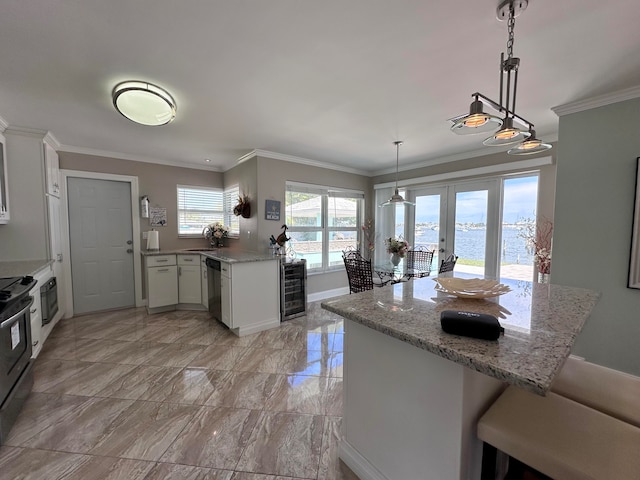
[(634, 263), (272, 210)]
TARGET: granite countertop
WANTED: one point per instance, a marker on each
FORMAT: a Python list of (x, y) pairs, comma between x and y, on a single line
[(541, 323), (22, 267), (221, 254)]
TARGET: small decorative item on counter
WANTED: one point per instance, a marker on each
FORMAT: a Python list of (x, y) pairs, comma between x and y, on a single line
[(243, 207), (278, 243), (216, 233)]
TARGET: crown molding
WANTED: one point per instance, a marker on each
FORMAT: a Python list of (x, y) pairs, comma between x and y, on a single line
[(599, 101), (303, 161), (134, 158), (3, 124)]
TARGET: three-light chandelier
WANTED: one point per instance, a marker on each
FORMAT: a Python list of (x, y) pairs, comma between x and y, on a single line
[(506, 121)]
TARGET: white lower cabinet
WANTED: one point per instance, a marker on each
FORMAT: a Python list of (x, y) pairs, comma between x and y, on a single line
[(172, 280), (204, 282), (36, 322), (161, 274), (250, 296), (189, 279)]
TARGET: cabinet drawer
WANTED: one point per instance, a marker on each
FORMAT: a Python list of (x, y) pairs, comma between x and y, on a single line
[(225, 269), (188, 259), (161, 260)]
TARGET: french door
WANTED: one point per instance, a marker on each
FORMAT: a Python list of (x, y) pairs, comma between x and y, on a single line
[(460, 219)]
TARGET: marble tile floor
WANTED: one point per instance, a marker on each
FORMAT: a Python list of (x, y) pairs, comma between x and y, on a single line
[(127, 395)]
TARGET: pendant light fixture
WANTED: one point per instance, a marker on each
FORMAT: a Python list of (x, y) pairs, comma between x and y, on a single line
[(144, 103), (396, 198), (509, 124)]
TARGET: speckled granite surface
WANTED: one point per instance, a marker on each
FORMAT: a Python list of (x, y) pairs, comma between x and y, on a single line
[(541, 322), (222, 254), (22, 268)]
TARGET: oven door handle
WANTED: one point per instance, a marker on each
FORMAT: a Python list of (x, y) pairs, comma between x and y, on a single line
[(12, 319)]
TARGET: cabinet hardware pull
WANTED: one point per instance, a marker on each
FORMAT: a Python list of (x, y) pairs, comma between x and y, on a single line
[(162, 260), (163, 270)]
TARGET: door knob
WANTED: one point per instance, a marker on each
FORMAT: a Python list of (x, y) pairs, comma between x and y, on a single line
[(441, 250), (129, 250), (129, 242)]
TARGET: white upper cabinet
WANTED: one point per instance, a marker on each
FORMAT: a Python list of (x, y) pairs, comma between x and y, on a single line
[(52, 170), (4, 182)]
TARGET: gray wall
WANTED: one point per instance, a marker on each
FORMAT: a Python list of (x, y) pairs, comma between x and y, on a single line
[(25, 236), (245, 176), (158, 182), (593, 217), (272, 178)]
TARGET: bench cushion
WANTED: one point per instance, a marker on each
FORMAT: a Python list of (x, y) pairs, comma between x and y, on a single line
[(610, 391), (561, 438)]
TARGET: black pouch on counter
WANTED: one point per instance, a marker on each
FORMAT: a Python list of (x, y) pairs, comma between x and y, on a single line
[(471, 324)]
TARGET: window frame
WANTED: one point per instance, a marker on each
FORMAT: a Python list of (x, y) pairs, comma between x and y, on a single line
[(326, 192), (227, 197)]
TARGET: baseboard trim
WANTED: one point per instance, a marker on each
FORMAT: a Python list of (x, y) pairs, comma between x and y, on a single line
[(360, 465), (336, 292), (256, 327)]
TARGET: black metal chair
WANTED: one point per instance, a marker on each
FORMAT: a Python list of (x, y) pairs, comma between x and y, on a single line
[(448, 264), (359, 272), (419, 260)]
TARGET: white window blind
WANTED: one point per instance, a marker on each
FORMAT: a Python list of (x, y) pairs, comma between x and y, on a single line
[(197, 208), (231, 195)]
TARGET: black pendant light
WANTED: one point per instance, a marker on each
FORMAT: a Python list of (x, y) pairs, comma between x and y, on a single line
[(396, 198)]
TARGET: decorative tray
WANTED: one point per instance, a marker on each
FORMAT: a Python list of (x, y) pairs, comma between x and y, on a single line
[(471, 287)]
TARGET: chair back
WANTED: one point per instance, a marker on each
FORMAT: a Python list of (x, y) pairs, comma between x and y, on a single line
[(359, 271), (448, 264), (420, 259)]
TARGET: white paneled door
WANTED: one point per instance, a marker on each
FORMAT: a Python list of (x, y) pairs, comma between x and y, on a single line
[(101, 243)]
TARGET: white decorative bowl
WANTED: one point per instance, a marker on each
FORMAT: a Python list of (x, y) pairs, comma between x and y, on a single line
[(470, 287)]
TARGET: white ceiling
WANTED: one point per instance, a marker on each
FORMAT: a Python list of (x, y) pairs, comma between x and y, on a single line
[(332, 81)]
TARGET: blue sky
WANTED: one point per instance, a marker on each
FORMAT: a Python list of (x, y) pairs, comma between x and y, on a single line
[(520, 196)]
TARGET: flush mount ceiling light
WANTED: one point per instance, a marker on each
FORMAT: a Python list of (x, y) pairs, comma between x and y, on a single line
[(396, 198), (144, 103), (477, 121)]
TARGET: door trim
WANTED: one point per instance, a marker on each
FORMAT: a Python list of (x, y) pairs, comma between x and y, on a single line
[(66, 245)]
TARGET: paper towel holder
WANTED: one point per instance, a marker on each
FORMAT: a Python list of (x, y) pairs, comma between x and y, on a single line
[(153, 242)]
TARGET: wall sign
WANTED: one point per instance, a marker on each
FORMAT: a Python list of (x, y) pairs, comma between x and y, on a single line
[(272, 210), (158, 216)]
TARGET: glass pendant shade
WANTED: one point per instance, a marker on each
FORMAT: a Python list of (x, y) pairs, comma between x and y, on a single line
[(476, 122), (530, 146), (144, 103), (507, 135)]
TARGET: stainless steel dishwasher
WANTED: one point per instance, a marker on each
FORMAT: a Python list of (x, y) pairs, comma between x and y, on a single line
[(214, 281)]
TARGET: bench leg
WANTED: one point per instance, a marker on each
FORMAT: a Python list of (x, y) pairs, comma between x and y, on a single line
[(489, 456)]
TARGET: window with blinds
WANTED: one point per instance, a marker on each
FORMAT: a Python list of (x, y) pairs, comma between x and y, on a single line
[(322, 222), (200, 206)]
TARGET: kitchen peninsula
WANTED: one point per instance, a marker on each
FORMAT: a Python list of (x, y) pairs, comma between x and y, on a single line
[(242, 292), (413, 393)]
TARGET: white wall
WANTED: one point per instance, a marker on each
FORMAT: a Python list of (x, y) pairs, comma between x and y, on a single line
[(596, 170)]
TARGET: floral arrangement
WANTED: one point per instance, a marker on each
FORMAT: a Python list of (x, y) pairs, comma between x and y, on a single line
[(243, 207), (397, 246), (369, 236), (215, 231), (542, 245)]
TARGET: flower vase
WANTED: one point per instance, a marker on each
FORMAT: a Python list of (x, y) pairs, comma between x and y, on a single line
[(395, 259), (543, 277), (220, 242)]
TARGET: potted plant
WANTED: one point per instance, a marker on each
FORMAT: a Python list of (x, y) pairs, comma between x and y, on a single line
[(397, 247)]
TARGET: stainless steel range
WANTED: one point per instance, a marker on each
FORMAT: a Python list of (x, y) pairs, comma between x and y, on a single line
[(16, 376)]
